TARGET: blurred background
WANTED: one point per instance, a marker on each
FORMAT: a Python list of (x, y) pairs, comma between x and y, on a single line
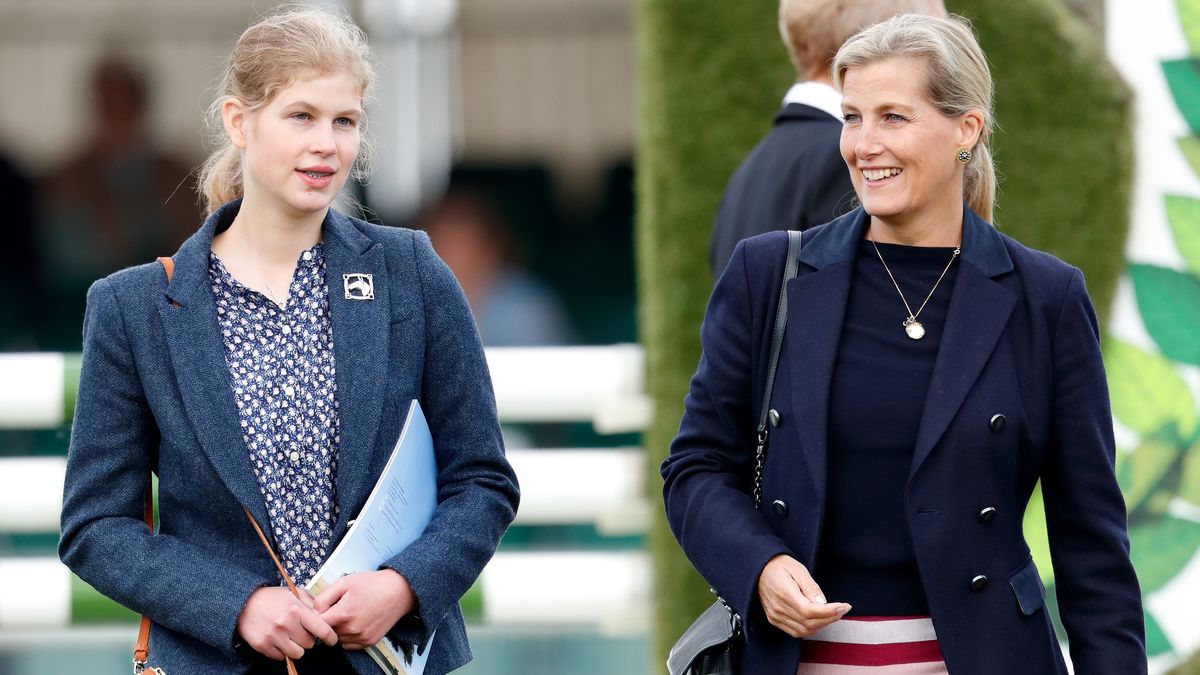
[(508, 130)]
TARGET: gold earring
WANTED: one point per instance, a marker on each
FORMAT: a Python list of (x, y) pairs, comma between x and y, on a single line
[(964, 155)]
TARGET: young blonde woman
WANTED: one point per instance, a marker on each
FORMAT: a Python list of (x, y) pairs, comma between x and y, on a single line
[(932, 371), (271, 374)]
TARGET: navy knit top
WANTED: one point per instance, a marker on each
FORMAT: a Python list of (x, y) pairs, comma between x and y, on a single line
[(880, 381)]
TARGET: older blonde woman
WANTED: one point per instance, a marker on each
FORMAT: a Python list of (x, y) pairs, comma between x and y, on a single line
[(932, 370)]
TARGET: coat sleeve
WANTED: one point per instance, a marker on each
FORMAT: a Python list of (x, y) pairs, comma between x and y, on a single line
[(1098, 596), (708, 473), (477, 488), (103, 540)]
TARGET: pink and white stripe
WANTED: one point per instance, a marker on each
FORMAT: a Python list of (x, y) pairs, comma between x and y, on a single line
[(867, 645)]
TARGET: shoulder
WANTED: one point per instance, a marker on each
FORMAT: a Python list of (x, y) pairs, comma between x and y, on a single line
[(394, 239), (139, 284), (1042, 273)]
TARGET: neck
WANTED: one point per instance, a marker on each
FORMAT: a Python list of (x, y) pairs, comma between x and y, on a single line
[(942, 227), (275, 236)]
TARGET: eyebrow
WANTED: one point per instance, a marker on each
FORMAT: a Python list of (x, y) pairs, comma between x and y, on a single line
[(882, 106), (308, 106)]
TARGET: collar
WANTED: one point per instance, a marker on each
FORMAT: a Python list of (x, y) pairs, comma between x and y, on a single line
[(817, 95), (191, 261), (837, 242)]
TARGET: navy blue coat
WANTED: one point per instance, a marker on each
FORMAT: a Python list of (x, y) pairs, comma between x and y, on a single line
[(154, 395), (1020, 340)]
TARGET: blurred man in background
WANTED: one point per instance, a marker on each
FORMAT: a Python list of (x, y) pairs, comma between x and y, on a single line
[(512, 307), (118, 201), (795, 178)]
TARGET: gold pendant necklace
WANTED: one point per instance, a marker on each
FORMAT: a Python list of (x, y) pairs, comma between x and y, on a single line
[(912, 327)]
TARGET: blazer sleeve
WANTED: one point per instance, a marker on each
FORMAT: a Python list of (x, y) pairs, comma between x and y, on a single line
[(707, 476), (1098, 595), (477, 488), (103, 540)]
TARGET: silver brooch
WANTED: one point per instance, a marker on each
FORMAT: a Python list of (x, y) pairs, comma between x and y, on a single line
[(358, 286)]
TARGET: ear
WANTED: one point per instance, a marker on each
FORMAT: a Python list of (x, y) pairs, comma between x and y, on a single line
[(970, 126), (236, 118)]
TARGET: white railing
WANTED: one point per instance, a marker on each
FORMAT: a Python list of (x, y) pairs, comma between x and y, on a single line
[(604, 488)]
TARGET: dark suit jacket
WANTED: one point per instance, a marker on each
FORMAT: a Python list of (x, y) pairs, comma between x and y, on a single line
[(794, 179), (154, 394), (1020, 340)]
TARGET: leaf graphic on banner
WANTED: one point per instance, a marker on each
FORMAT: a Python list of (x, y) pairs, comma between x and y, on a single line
[(1189, 19), (1160, 549), (1190, 146), (1183, 213), (1146, 392), (1183, 78), (1169, 302), (1141, 472), (1189, 482), (1156, 640)]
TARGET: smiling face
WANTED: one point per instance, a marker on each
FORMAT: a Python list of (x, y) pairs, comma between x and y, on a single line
[(901, 151), (298, 150)]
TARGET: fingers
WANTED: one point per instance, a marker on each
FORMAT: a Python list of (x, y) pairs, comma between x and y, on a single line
[(329, 597), (810, 589), (792, 600), (315, 626)]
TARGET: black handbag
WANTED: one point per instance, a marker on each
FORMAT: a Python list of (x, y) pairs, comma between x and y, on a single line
[(712, 644)]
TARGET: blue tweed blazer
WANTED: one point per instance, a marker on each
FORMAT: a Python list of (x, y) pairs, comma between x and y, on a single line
[(1020, 342), (154, 395)]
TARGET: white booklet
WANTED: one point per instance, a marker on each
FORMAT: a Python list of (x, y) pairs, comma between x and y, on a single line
[(394, 515)]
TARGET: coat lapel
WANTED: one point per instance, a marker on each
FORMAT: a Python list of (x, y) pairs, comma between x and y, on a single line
[(816, 309), (197, 353), (360, 349), (978, 313)]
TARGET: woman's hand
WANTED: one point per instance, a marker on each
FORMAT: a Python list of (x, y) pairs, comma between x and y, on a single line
[(363, 607), (792, 600), (277, 624)]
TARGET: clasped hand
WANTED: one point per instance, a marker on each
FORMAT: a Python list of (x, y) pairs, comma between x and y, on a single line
[(356, 611), (792, 601)]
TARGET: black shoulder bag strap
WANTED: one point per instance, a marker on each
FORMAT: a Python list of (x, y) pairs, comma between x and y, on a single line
[(767, 415)]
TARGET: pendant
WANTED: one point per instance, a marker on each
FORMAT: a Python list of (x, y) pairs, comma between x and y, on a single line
[(914, 328)]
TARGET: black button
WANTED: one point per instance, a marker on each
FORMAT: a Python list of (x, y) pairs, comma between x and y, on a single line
[(998, 422), (987, 515), (781, 508), (978, 583), (773, 416)]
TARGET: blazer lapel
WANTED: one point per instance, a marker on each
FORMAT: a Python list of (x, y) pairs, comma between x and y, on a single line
[(978, 312), (360, 349), (197, 353), (816, 309)]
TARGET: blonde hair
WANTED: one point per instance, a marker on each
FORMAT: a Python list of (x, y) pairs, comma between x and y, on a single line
[(812, 30), (958, 80), (269, 57)]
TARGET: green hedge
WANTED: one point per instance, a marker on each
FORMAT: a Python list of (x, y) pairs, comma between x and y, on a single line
[(710, 75)]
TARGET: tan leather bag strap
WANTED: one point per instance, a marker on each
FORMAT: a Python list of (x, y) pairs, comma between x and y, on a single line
[(141, 650)]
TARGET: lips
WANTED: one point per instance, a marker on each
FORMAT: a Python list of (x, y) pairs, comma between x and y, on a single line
[(316, 176)]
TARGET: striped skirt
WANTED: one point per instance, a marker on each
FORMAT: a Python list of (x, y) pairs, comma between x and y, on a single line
[(881, 645)]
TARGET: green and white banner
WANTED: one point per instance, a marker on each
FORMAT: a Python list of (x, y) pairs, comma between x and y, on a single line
[(1152, 347)]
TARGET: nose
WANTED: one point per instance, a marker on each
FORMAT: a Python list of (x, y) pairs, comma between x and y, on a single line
[(867, 144), (322, 142)]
